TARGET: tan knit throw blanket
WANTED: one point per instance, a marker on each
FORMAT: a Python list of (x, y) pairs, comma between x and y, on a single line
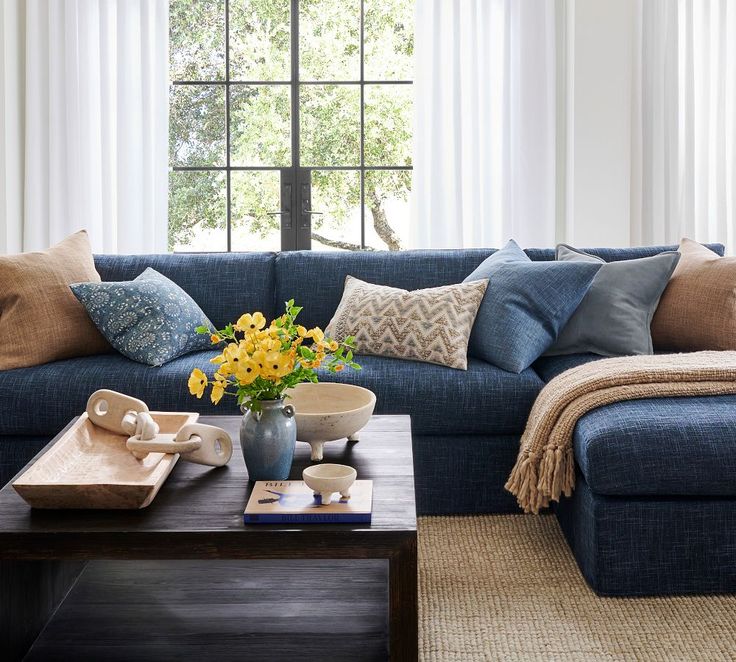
[(545, 467)]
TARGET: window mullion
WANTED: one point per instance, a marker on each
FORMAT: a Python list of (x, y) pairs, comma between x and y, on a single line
[(362, 124), (228, 203)]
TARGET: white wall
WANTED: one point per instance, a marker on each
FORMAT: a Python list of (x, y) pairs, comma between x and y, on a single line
[(597, 141)]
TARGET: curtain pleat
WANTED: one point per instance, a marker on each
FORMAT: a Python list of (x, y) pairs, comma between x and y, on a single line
[(484, 138), (96, 123), (684, 181)]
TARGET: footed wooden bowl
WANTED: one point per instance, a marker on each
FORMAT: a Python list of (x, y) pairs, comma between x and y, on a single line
[(326, 479), (327, 412)]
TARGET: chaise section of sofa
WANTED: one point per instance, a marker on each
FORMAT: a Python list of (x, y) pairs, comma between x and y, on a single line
[(654, 506)]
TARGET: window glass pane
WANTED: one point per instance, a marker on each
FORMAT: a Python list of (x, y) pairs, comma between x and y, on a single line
[(389, 39), (336, 193), (330, 125), (197, 211), (197, 125), (388, 123), (197, 39), (254, 195), (260, 40), (387, 208), (260, 130), (329, 40)]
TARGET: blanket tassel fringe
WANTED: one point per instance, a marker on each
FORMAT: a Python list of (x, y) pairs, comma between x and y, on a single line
[(537, 479)]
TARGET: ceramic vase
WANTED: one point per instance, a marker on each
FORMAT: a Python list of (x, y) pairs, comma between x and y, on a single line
[(268, 438)]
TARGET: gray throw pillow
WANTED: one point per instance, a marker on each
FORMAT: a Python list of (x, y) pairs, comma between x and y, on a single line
[(614, 317)]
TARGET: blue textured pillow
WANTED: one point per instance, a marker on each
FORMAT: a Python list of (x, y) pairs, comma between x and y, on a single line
[(525, 306), (150, 319)]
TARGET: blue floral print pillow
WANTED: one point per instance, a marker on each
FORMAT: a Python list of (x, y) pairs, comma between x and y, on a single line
[(150, 319)]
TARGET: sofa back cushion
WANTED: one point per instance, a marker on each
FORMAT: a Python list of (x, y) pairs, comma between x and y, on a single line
[(315, 279), (224, 285)]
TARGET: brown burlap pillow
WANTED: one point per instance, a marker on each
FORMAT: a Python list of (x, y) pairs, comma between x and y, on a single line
[(431, 325), (40, 318), (698, 308)]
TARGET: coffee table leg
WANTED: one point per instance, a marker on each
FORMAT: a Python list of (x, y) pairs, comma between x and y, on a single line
[(30, 591), (403, 604)]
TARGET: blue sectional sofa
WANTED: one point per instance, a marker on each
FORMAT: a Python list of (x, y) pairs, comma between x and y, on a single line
[(466, 424)]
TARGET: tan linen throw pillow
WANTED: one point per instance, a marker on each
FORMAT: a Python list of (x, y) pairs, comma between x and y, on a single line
[(431, 325), (698, 308), (40, 318)]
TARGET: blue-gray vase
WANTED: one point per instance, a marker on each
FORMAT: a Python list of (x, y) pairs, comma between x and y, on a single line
[(268, 438)]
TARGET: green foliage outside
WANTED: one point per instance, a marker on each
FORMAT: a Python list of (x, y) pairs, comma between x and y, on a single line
[(260, 115)]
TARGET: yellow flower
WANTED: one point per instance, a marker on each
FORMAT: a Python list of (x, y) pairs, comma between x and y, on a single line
[(301, 330), (247, 346), (197, 382), (271, 345), (333, 345), (259, 358), (214, 339), (250, 323), (218, 388), (234, 355), (316, 334), (320, 356), (339, 367), (247, 373), (278, 365)]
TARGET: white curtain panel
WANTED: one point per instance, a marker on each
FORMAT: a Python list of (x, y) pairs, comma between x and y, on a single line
[(484, 136), (95, 123), (684, 121)]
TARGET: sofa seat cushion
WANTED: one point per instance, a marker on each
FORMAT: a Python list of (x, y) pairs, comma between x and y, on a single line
[(42, 400), (483, 399), (224, 285), (660, 446)]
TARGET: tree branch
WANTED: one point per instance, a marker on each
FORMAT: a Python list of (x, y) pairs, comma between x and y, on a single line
[(336, 243), (380, 222)]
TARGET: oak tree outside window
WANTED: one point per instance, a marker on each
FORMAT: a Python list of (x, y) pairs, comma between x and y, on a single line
[(290, 124)]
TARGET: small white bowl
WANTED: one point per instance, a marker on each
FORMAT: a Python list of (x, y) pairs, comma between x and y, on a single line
[(328, 411), (326, 479)]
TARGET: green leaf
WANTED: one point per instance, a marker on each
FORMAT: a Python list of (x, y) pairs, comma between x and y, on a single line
[(349, 356), (202, 329), (355, 366)]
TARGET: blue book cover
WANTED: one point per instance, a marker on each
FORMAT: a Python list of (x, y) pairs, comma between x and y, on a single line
[(292, 502)]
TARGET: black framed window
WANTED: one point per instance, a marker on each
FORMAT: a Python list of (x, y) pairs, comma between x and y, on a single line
[(290, 124)]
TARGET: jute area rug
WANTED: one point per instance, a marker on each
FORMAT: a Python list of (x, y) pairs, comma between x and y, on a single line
[(506, 587)]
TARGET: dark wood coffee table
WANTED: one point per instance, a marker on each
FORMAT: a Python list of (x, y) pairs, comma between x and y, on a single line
[(198, 516)]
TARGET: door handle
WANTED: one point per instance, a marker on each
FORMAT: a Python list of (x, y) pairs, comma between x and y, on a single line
[(278, 213), (312, 213)]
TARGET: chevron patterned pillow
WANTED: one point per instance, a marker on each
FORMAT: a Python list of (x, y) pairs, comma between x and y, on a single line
[(431, 325)]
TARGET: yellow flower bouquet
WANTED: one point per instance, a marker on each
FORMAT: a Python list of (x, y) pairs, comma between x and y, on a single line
[(260, 362)]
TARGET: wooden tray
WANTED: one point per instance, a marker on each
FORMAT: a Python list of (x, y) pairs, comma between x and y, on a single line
[(91, 468)]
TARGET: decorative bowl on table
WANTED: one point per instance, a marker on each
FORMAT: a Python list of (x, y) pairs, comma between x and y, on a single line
[(327, 411), (326, 479)]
